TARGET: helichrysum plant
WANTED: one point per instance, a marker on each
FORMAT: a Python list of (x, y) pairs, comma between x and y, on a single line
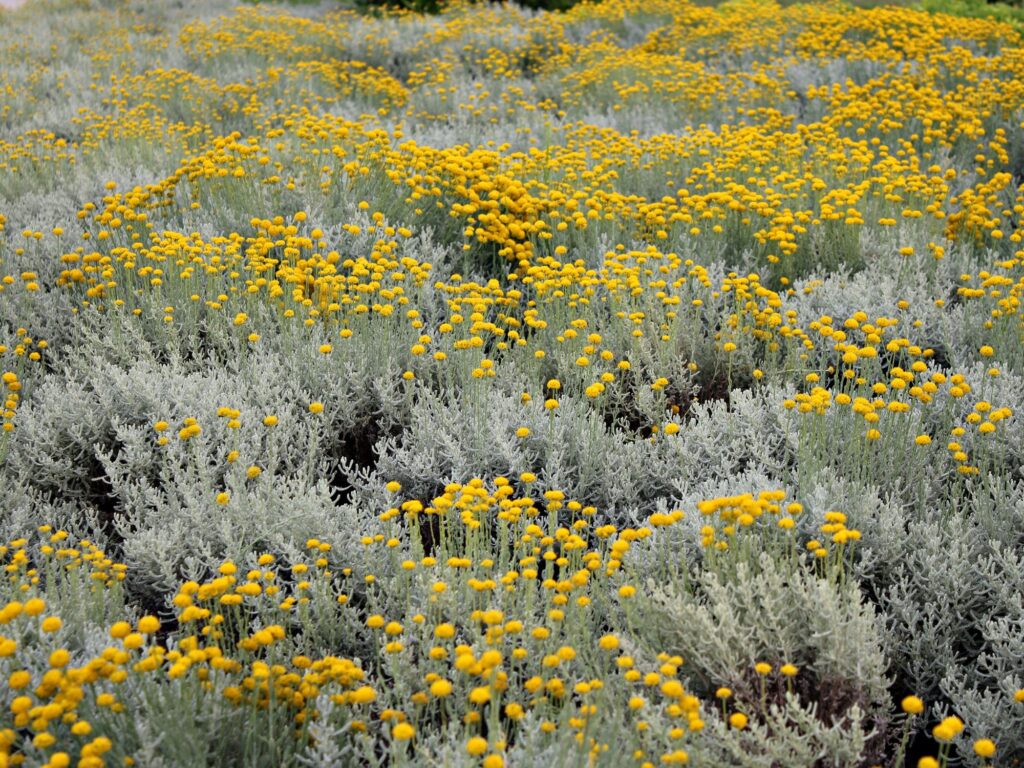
[(636, 383)]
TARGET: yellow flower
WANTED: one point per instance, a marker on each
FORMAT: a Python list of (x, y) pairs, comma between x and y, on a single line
[(81, 728), (43, 740), (403, 732), (51, 624), (948, 729), (476, 746), (34, 607), (673, 689), (480, 695), (19, 679), (738, 720), (362, 695), (440, 688), (984, 748)]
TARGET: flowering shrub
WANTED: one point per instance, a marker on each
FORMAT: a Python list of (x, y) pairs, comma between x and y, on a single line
[(635, 384)]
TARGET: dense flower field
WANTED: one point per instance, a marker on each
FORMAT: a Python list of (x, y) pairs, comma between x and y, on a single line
[(634, 386)]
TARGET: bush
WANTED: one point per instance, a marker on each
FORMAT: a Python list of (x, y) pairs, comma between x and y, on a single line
[(436, 6), (764, 613)]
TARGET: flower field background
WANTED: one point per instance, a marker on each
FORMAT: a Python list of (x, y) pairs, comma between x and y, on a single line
[(638, 385)]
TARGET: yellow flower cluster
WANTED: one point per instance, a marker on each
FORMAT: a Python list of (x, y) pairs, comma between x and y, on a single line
[(481, 653), (624, 209)]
